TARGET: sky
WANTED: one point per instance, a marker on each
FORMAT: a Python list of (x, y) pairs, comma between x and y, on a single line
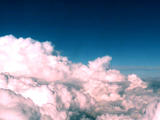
[(82, 30), (80, 59)]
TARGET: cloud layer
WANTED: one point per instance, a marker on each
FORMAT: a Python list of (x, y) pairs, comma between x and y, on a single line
[(35, 84)]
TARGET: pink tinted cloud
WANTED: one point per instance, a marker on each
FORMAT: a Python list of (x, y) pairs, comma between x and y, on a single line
[(54, 88)]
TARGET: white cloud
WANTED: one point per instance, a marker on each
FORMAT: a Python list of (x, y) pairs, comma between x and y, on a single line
[(14, 106), (54, 88)]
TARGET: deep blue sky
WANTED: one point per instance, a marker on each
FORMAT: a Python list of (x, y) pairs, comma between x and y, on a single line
[(127, 30)]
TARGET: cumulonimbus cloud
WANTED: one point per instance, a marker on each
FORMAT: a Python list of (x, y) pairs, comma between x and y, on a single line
[(35, 84)]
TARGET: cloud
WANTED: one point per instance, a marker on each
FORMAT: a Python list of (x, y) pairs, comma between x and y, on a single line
[(15, 106), (143, 68), (153, 111), (39, 85)]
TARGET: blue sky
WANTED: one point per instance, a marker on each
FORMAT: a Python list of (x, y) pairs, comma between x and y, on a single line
[(82, 30)]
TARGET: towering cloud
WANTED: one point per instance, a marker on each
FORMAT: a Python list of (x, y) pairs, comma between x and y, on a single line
[(35, 84)]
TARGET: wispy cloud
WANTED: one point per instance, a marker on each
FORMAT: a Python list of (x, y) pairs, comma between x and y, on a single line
[(136, 67)]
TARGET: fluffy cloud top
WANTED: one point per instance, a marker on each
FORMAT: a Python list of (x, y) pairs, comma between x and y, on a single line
[(37, 85)]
